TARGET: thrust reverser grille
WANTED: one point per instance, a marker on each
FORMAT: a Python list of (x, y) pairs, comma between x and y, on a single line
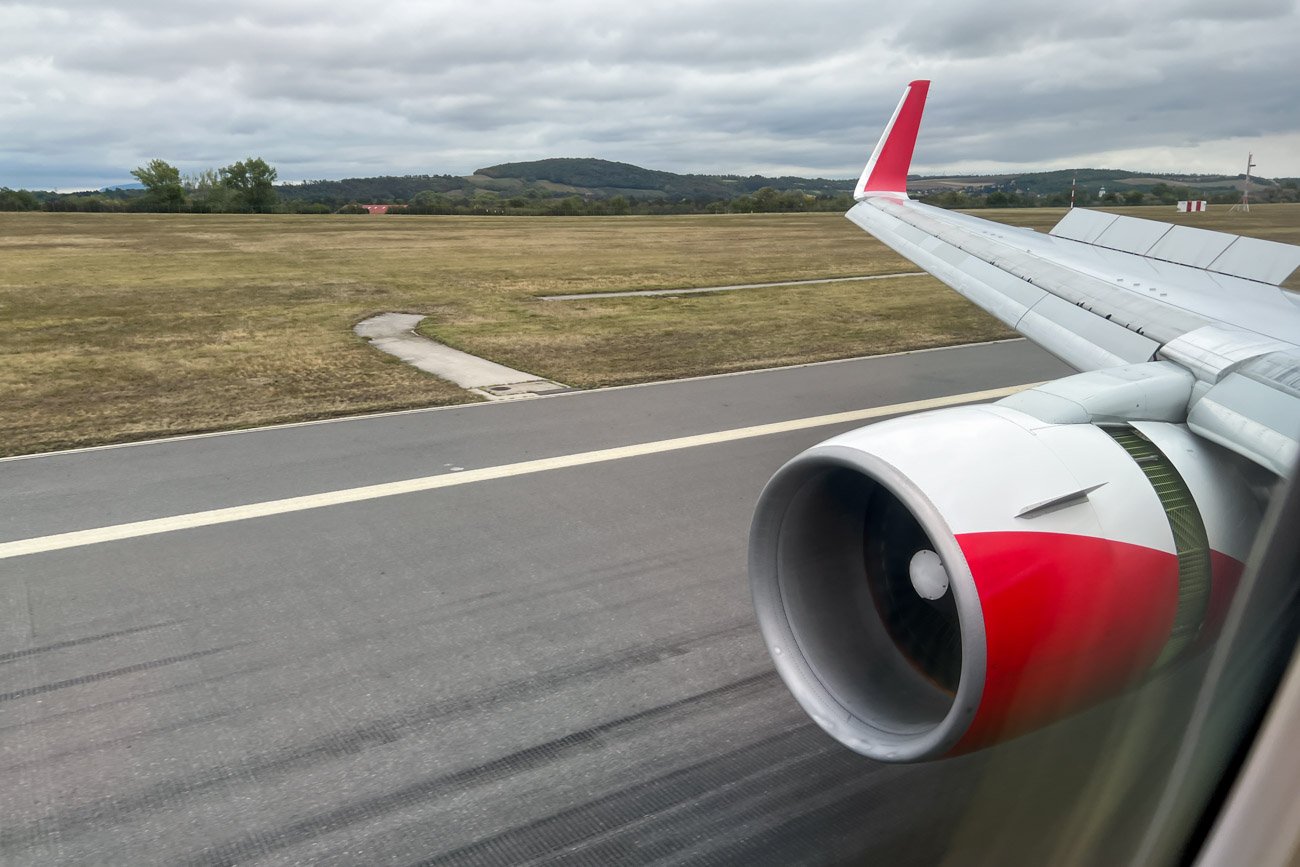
[(1190, 540)]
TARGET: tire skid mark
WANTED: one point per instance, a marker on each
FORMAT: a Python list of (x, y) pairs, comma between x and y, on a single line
[(832, 827), (471, 605), (11, 655), (140, 696), (336, 745), (569, 830), (731, 823), (531, 758), (105, 675)]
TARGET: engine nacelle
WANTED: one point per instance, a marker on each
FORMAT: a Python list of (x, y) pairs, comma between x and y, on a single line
[(936, 583)]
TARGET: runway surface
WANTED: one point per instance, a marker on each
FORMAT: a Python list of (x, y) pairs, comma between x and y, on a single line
[(554, 667)]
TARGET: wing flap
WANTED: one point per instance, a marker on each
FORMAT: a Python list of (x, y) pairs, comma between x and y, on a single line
[(1189, 246), (1131, 235), (1254, 417), (1083, 225), (1256, 259), (1236, 256)]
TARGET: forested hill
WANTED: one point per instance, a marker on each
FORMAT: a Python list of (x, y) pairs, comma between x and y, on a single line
[(572, 186), (588, 178), (594, 174), (625, 178), (596, 179), (386, 188)]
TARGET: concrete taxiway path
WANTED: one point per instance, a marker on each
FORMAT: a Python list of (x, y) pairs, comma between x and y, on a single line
[(552, 666), (395, 334)]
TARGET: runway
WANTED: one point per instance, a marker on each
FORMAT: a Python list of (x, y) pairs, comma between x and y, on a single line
[(557, 666)]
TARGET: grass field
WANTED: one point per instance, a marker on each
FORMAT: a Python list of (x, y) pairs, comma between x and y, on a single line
[(119, 326)]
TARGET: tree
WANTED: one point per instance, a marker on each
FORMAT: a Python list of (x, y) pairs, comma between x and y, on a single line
[(252, 182), (208, 195), (485, 201), (950, 199), (569, 206), (1164, 193), (766, 199), (162, 185), (17, 200), (430, 202)]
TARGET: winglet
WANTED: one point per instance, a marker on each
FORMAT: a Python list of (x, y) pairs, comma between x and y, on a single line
[(886, 171)]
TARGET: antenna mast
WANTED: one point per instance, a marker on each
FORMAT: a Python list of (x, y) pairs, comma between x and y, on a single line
[(1244, 204)]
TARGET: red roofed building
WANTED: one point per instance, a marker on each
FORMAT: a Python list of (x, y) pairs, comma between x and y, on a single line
[(376, 209)]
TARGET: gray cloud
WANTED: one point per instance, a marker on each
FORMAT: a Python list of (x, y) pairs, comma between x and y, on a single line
[(331, 88)]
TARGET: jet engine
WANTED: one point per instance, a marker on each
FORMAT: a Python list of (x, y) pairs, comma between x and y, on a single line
[(936, 583)]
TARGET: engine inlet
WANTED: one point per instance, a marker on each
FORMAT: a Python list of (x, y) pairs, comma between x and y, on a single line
[(860, 600)]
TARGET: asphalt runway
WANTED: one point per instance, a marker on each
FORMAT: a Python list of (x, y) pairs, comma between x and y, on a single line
[(554, 667)]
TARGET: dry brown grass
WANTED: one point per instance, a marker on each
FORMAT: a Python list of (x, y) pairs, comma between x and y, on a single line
[(621, 340), (119, 326)]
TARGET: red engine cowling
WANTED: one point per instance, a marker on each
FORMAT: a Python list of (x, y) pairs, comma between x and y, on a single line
[(936, 583)]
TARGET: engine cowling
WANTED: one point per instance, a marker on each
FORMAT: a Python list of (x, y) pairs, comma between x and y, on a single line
[(933, 584)]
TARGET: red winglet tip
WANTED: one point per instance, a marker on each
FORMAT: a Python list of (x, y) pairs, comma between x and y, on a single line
[(887, 170)]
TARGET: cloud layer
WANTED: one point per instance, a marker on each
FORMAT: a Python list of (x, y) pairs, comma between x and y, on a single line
[(329, 89)]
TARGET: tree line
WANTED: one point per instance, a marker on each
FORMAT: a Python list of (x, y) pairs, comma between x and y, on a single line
[(535, 203), (249, 186), (1158, 194)]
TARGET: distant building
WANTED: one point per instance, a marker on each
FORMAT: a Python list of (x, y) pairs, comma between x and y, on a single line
[(376, 209)]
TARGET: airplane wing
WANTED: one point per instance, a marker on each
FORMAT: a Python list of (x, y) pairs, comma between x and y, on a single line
[(1104, 291), (932, 584)]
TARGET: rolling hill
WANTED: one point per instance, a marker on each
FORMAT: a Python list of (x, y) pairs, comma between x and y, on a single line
[(591, 178)]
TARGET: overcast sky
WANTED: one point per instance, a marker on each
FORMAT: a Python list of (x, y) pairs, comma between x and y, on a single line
[(90, 89)]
